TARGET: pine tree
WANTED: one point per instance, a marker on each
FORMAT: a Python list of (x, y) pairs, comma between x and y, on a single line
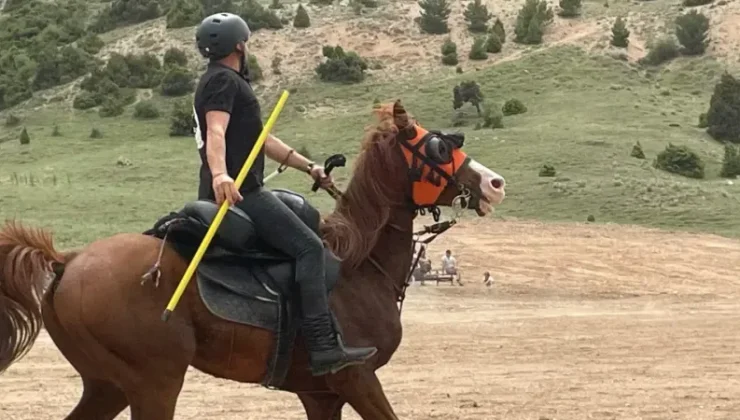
[(433, 16), (25, 138), (723, 117), (570, 8), (730, 163), (301, 19), (477, 16), (498, 29), (691, 31), (478, 50), (531, 20), (493, 44), (449, 53), (620, 34)]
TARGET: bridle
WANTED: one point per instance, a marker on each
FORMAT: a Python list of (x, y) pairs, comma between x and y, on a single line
[(430, 150)]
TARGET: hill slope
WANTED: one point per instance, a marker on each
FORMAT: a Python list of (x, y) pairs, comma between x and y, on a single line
[(585, 112)]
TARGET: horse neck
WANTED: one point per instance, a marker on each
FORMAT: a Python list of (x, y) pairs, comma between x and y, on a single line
[(393, 250)]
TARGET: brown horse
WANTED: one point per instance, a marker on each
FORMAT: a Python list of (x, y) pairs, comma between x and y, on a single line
[(107, 323)]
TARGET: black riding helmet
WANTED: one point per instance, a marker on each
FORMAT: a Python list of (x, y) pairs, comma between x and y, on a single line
[(218, 34)]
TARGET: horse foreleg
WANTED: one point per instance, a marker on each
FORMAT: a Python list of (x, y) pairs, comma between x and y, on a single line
[(363, 391), (155, 400), (322, 406), (100, 401)]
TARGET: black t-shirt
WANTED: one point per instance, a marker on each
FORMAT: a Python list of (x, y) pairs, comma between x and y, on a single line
[(221, 88)]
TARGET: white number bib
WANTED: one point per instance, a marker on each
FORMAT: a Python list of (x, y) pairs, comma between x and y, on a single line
[(198, 136)]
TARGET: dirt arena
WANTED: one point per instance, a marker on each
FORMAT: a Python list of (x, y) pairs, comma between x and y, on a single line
[(584, 322)]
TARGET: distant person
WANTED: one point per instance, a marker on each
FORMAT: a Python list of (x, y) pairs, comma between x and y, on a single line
[(449, 266), (487, 279), (423, 267)]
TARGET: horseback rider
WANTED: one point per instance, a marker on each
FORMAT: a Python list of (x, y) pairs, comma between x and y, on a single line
[(228, 122)]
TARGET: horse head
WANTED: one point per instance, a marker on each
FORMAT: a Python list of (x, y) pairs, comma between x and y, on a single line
[(437, 170)]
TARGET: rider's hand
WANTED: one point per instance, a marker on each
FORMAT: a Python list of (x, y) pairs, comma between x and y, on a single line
[(318, 174), (225, 190)]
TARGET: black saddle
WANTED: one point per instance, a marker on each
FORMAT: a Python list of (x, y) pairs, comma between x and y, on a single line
[(240, 277)]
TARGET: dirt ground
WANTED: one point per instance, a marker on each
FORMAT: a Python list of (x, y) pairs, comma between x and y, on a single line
[(584, 322)]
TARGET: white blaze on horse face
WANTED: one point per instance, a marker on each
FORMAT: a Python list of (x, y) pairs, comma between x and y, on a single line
[(492, 185)]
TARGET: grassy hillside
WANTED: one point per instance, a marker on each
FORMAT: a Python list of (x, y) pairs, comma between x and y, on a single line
[(584, 114)]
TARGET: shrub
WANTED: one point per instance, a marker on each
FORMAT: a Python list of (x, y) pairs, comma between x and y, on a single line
[(620, 34), (216, 6), (449, 47), (703, 121), (680, 160), (433, 16), (468, 91), (111, 107), (478, 49), (477, 16), (730, 163), (61, 66), (531, 22), (177, 81), (322, 2), (184, 13), (449, 53), (498, 29), (86, 100), (570, 8), (341, 66), (11, 120), (492, 118), (637, 151), (146, 110), (493, 43), (694, 3), (96, 134), (91, 43), (182, 122), (301, 19), (691, 31), (257, 17), (513, 107), (276, 5), (723, 117), (661, 51), (125, 12), (55, 131), (25, 138), (255, 70), (275, 65), (175, 57), (547, 171)]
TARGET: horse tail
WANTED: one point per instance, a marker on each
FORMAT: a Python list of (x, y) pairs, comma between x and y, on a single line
[(28, 265)]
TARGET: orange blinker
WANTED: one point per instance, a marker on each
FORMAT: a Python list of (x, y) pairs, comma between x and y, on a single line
[(424, 191)]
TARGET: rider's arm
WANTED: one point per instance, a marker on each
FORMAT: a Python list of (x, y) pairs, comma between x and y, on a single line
[(218, 101), (278, 151), (216, 141)]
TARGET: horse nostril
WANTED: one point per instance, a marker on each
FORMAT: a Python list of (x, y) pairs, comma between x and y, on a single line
[(497, 183)]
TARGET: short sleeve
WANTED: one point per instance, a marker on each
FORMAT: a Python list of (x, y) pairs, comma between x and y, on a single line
[(219, 93)]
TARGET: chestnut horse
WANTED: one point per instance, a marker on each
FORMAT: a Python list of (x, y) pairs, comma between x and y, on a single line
[(107, 324)]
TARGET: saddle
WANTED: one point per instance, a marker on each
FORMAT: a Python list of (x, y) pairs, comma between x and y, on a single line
[(241, 278)]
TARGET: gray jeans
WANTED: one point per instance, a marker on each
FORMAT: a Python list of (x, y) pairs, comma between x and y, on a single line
[(281, 228)]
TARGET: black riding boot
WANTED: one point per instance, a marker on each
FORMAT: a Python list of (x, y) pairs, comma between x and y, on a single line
[(326, 352)]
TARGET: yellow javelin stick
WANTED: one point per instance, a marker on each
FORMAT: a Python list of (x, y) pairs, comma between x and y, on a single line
[(224, 208)]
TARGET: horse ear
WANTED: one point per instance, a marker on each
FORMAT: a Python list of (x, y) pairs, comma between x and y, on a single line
[(400, 116)]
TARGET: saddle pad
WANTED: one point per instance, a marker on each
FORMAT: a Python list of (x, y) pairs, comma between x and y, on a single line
[(234, 293)]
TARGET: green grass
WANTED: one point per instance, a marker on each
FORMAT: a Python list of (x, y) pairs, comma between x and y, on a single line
[(585, 113)]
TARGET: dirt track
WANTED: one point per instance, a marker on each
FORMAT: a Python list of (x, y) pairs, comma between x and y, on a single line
[(583, 323)]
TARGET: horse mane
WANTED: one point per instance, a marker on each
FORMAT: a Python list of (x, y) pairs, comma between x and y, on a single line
[(353, 229)]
